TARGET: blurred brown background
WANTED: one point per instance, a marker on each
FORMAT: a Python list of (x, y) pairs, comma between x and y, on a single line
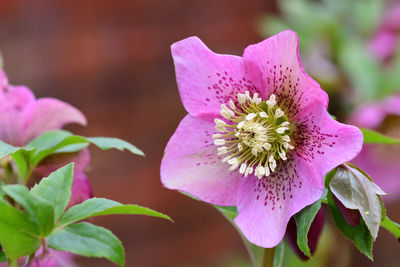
[(111, 59)]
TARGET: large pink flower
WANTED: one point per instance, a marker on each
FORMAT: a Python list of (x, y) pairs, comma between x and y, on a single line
[(380, 161), (385, 42), (23, 117), (258, 135)]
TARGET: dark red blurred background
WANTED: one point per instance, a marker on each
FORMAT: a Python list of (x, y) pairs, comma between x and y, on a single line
[(111, 59)]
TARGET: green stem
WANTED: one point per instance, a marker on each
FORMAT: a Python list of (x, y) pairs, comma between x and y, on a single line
[(29, 260), (12, 263), (44, 246), (268, 260)]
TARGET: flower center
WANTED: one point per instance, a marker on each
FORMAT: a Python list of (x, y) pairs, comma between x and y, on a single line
[(256, 136)]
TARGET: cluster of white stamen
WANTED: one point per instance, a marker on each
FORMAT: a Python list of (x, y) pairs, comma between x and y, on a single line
[(255, 136)]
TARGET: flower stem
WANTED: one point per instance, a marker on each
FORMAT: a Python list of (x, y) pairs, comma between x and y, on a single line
[(12, 263), (268, 260), (29, 260)]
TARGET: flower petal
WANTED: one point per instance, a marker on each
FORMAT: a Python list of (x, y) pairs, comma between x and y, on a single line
[(351, 216), (372, 115), (278, 59), (50, 114), (206, 79), (81, 189), (265, 206), (16, 102), (322, 142), (191, 164)]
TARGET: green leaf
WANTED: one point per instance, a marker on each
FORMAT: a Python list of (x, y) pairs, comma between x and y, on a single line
[(18, 236), (88, 240), (50, 142), (304, 219), (372, 137), (106, 143), (21, 159), (40, 212), (56, 189), (356, 191), (63, 141), (101, 206), (359, 235), (72, 148), (391, 226), (230, 212), (6, 149), (3, 256)]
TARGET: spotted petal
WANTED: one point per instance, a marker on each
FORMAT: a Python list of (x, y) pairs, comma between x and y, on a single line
[(278, 59), (265, 206), (190, 164), (322, 142), (206, 79)]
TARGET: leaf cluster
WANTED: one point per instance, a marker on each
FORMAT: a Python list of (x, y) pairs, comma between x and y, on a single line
[(38, 217)]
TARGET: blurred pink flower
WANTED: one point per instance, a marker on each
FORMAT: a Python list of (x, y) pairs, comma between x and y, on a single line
[(258, 135), (385, 42), (52, 258), (22, 118), (380, 161)]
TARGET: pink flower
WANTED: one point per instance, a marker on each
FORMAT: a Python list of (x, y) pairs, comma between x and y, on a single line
[(380, 161), (52, 258), (385, 42), (258, 135), (22, 118)]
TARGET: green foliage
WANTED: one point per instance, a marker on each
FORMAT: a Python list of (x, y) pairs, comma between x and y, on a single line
[(359, 235), (363, 71), (22, 232), (88, 240), (6, 149), (40, 212), (3, 256), (356, 190), (373, 137), (279, 255), (229, 212), (56, 189), (59, 141), (101, 206), (106, 143), (36, 212), (391, 226), (304, 219), (18, 235)]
